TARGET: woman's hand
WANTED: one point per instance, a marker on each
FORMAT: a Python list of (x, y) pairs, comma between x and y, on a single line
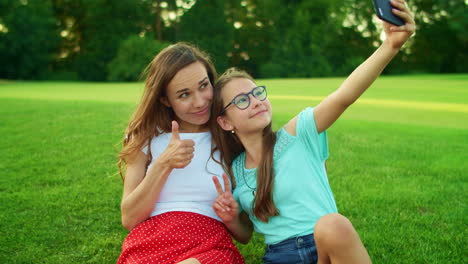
[(179, 152), (398, 35), (225, 206)]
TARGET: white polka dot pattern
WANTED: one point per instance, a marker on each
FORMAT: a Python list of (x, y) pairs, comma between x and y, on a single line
[(175, 236)]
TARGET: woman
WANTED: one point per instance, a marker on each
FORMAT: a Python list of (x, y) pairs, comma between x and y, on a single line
[(167, 193), (282, 188)]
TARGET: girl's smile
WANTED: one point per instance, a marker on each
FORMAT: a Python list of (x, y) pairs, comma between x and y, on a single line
[(260, 113)]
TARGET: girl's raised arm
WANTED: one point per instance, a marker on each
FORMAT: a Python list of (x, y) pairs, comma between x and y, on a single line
[(328, 111)]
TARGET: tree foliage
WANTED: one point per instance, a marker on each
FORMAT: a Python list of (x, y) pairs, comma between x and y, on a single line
[(28, 38), (133, 56), (282, 38), (206, 26)]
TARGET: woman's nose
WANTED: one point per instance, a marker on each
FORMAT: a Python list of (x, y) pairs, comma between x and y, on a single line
[(199, 100)]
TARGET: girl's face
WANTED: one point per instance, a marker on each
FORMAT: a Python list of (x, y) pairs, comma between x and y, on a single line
[(189, 94), (254, 118)]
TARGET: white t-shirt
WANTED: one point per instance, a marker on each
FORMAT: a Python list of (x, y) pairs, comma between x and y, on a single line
[(190, 189)]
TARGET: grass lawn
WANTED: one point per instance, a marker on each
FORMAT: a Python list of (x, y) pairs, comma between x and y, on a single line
[(398, 167)]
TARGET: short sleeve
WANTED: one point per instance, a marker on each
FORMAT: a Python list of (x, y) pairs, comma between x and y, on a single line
[(306, 130)]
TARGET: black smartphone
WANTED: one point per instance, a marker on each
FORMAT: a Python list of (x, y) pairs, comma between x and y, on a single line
[(383, 8)]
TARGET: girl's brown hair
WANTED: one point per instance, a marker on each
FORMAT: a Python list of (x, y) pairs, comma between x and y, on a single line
[(151, 117), (230, 147)]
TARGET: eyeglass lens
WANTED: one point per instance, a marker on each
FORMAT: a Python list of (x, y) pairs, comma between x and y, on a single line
[(243, 101)]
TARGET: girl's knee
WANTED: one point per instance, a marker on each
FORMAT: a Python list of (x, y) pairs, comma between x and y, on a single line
[(334, 230)]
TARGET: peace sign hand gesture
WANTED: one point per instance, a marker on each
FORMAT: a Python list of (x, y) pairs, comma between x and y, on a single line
[(225, 206)]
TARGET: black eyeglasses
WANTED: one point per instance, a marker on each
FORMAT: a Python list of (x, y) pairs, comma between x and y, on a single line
[(242, 101)]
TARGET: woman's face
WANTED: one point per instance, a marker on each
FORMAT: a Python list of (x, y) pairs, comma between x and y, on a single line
[(252, 119), (189, 94)]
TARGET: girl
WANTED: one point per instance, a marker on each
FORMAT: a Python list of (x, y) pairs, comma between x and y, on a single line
[(168, 194), (281, 181)]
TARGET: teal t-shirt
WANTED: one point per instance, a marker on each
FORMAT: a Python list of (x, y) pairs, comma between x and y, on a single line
[(301, 191)]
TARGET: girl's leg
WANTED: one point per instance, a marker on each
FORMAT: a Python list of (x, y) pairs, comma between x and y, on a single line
[(190, 261), (338, 242)]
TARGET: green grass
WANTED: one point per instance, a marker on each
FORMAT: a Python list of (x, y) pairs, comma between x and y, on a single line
[(398, 167)]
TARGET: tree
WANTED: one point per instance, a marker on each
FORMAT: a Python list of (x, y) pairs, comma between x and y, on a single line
[(133, 56), (28, 39), (302, 32), (105, 25), (206, 25), (441, 39)]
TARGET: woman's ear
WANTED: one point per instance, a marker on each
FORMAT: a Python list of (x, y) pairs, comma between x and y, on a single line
[(224, 123), (165, 101)]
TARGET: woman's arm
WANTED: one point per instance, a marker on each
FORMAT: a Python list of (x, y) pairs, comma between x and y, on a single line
[(142, 191), (328, 111)]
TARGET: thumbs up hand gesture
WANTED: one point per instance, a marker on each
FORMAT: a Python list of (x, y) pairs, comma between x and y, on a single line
[(179, 153)]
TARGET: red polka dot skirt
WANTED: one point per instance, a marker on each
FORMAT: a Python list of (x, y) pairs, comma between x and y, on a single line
[(175, 236)]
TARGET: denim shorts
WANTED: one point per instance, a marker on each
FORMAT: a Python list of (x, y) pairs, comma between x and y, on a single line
[(296, 250)]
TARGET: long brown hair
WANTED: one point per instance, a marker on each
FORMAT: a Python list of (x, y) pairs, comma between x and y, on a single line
[(230, 147), (151, 117)]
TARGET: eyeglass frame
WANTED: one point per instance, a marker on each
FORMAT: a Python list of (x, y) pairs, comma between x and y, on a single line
[(248, 97)]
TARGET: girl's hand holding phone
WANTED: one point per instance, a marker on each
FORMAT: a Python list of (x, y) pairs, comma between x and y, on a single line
[(396, 36)]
